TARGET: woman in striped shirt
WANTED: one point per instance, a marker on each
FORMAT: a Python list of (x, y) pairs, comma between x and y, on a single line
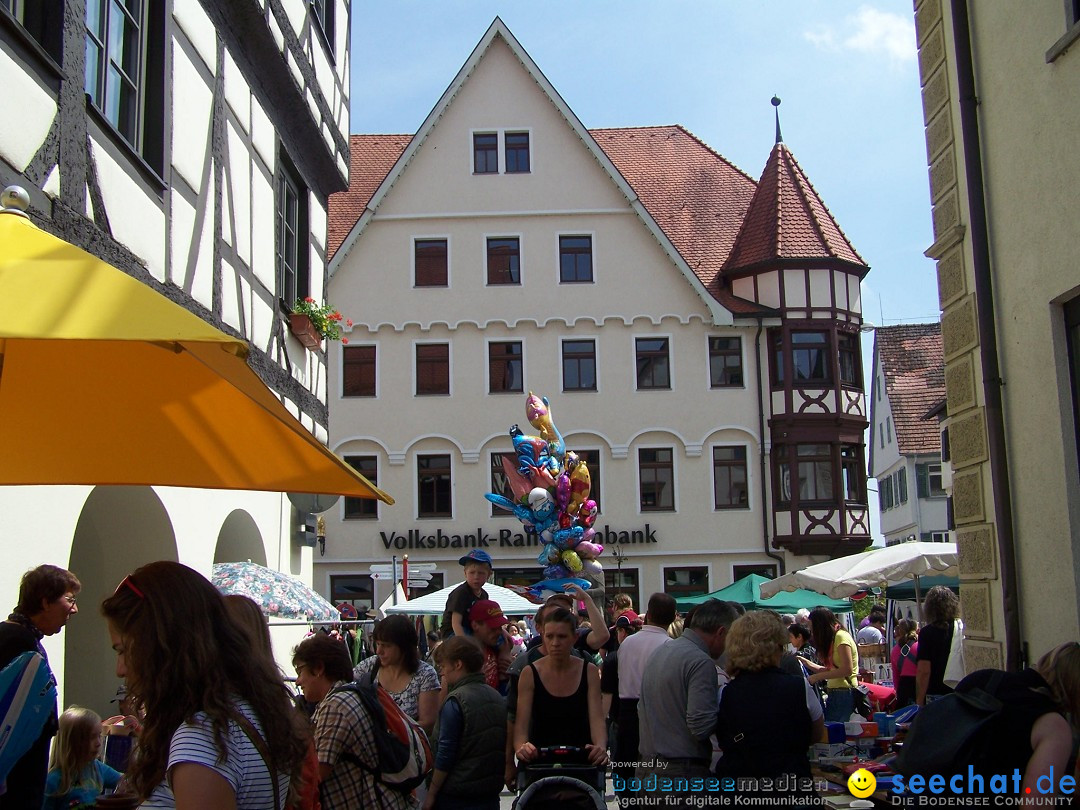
[(220, 730)]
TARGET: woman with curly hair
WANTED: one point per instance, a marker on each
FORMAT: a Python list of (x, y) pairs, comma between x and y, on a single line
[(220, 730), (767, 718), (940, 611)]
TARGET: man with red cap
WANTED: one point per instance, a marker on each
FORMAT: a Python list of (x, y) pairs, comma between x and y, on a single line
[(487, 621)]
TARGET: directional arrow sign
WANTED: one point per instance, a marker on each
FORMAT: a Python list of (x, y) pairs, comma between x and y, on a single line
[(423, 576), (384, 575), (419, 566), (418, 583), (386, 568)]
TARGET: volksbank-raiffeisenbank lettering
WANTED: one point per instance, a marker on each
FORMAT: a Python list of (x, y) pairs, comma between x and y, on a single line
[(507, 538)]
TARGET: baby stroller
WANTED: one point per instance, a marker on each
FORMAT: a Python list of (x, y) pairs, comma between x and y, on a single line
[(561, 777)]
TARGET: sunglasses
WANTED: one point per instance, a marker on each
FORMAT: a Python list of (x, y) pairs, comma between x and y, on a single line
[(128, 582)]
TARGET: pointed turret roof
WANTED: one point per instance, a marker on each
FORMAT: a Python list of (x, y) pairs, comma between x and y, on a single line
[(788, 220)]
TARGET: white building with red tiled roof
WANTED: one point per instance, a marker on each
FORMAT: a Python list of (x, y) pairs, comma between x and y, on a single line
[(704, 361), (905, 446)]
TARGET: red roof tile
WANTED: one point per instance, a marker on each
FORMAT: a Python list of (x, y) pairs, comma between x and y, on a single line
[(913, 362), (371, 157), (697, 197), (788, 220)]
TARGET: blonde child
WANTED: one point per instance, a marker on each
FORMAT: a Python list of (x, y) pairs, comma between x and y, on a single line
[(477, 565), (76, 776)]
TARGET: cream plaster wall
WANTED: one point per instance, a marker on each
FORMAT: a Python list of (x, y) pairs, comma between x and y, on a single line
[(637, 292), (1029, 115)]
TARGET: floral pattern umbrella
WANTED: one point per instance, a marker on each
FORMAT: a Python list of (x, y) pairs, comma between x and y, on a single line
[(275, 593)]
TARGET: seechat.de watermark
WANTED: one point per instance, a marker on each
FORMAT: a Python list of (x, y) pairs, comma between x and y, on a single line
[(978, 790)]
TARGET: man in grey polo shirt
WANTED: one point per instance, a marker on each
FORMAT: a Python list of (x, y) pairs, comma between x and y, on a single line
[(679, 698)]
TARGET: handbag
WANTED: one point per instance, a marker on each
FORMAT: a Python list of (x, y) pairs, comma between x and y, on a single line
[(955, 668)]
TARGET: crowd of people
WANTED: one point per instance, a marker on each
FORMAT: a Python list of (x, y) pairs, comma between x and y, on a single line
[(666, 701)]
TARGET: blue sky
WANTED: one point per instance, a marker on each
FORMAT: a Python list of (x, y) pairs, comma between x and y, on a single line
[(846, 72)]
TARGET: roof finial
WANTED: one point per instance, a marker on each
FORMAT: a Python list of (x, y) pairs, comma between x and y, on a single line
[(776, 106)]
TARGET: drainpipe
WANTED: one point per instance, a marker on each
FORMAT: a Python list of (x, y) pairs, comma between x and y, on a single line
[(984, 304), (761, 454)]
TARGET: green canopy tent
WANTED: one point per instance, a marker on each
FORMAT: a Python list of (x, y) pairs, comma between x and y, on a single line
[(746, 592)]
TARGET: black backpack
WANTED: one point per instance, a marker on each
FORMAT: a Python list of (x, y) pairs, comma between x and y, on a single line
[(952, 732)]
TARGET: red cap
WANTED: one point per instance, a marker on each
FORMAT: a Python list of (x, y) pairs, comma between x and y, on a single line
[(488, 612)]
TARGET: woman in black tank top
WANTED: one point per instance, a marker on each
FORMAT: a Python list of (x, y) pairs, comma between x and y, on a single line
[(559, 697)]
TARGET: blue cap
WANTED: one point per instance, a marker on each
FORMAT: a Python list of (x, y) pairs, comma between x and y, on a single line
[(476, 555)]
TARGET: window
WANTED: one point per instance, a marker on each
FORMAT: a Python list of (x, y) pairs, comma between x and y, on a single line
[(815, 474), (124, 71), (618, 580), (653, 364), (776, 341), (324, 17), (690, 581), (946, 454), (363, 508), (432, 369), (431, 263), (928, 481), (575, 259), (888, 429), (433, 486), (1072, 334), (579, 365), (881, 434), (851, 468), (592, 459), (517, 152), (849, 359), (503, 261), (725, 362), (43, 20), (810, 357), (292, 234), (762, 570), (356, 589), (729, 478), (901, 484), (485, 153), (500, 484), (358, 371), (934, 537), (885, 493), (656, 473), (436, 583), (505, 367)]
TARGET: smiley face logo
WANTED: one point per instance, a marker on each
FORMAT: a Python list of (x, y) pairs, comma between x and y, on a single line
[(862, 783)]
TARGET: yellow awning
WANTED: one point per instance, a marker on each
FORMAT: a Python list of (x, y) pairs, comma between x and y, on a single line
[(105, 381)]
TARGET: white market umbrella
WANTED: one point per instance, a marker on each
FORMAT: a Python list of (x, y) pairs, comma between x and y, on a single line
[(846, 576), (397, 597), (434, 604)]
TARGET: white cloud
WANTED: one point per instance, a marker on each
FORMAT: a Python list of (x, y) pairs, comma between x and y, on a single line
[(869, 31)]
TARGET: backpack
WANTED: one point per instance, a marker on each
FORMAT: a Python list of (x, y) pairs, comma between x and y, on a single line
[(401, 746), (27, 701), (952, 732)]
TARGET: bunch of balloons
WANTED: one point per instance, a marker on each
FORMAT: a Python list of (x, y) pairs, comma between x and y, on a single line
[(551, 487)]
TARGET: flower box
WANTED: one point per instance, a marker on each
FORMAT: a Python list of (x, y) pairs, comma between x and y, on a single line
[(304, 330)]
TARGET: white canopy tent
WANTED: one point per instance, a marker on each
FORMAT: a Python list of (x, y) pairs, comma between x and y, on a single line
[(847, 576), (434, 604)]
